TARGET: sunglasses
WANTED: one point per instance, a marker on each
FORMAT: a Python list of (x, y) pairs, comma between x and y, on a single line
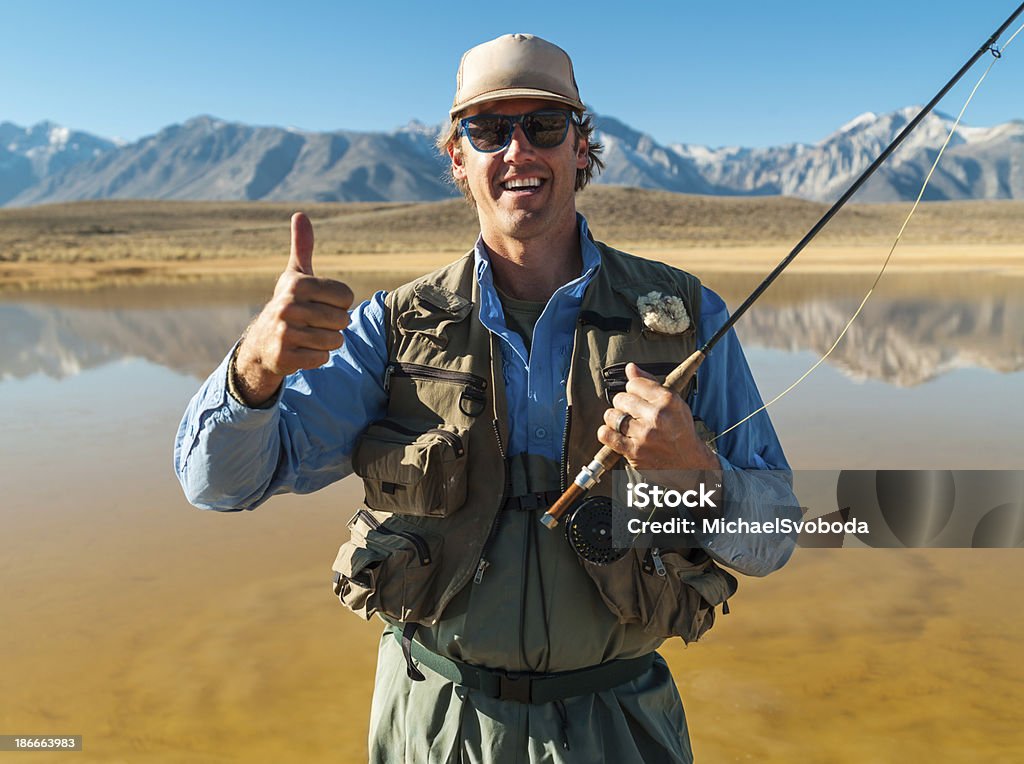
[(544, 129)]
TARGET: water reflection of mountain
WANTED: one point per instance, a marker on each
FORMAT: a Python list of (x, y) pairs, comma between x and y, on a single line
[(904, 342), (59, 342)]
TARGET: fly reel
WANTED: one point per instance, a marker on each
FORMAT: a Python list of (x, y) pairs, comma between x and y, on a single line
[(589, 531)]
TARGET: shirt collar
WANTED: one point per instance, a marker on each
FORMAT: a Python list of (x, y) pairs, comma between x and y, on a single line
[(588, 251)]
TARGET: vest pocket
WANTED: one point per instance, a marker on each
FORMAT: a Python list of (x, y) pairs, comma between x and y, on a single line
[(614, 376), (669, 594), (691, 590), (387, 565), (412, 468)]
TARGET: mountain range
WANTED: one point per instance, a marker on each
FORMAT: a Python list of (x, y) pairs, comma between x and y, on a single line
[(209, 158)]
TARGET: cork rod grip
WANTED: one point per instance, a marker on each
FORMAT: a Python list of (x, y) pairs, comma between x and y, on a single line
[(680, 376), (550, 518)]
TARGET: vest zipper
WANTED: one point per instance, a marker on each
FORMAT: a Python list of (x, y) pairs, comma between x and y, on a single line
[(420, 371), (483, 563), (659, 566), (417, 541), (563, 477), (562, 473), (449, 437)]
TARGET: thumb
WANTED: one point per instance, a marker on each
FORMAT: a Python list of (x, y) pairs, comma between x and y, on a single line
[(301, 257)]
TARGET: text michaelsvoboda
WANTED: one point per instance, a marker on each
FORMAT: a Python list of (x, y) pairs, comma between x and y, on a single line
[(782, 525)]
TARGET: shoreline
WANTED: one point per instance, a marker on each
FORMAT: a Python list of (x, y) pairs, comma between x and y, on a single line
[(999, 262)]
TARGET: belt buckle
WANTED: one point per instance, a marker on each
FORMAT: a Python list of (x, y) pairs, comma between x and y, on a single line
[(512, 686)]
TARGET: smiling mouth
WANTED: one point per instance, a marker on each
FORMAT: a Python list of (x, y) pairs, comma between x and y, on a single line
[(522, 184)]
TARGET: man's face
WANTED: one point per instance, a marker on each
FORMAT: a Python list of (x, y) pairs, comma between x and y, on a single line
[(546, 204)]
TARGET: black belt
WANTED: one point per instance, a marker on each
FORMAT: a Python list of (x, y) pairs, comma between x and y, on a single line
[(539, 500), (532, 688)]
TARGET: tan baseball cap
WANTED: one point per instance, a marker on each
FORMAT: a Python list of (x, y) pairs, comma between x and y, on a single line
[(515, 66)]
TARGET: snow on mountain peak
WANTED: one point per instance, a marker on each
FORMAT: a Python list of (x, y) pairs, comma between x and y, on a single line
[(866, 118), (59, 137)]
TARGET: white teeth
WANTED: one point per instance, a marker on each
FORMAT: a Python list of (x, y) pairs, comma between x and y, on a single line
[(522, 183)]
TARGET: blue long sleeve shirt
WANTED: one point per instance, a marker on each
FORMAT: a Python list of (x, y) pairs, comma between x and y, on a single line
[(229, 457)]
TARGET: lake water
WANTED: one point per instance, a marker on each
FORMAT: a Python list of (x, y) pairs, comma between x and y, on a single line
[(160, 632)]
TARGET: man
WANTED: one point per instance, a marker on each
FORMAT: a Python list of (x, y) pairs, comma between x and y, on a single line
[(464, 400)]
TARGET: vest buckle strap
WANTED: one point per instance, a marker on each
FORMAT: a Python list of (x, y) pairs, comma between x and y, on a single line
[(531, 501), (523, 687)]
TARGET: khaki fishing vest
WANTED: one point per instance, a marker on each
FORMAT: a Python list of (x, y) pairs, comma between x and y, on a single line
[(434, 468)]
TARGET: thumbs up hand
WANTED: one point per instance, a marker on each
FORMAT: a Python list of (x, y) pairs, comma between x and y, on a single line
[(297, 329)]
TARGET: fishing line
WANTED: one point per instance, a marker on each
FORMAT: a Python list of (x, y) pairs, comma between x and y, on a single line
[(996, 55)]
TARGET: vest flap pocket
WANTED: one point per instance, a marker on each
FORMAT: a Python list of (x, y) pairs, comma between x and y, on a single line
[(412, 468), (445, 299), (664, 591), (693, 588), (434, 309), (388, 565), (713, 583), (355, 578)]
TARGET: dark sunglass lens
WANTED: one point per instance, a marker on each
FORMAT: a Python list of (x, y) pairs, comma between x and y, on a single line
[(546, 129), (489, 133)]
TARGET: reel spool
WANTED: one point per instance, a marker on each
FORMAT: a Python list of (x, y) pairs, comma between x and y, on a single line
[(589, 531)]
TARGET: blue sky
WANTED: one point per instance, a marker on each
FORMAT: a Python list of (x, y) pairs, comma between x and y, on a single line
[(748, 73)]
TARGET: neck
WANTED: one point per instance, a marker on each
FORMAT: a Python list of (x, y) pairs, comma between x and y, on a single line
[(533, 269)]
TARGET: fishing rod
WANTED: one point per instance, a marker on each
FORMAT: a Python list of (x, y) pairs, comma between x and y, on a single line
[(680, 377)]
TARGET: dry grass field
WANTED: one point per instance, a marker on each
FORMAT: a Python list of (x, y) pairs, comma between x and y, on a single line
[(74, 244)]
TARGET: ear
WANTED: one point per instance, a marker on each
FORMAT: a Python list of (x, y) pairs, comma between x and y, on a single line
[(582, 149), (455, 154)]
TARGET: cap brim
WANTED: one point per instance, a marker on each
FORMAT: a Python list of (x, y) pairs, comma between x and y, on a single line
[(508, 94)]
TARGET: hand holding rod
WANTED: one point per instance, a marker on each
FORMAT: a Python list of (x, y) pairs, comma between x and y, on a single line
[(605, 459)]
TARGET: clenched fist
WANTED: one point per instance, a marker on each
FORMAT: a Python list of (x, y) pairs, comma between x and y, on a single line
[(297, 329)]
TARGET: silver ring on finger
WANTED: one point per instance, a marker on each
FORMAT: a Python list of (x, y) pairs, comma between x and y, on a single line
[(622, 423)]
